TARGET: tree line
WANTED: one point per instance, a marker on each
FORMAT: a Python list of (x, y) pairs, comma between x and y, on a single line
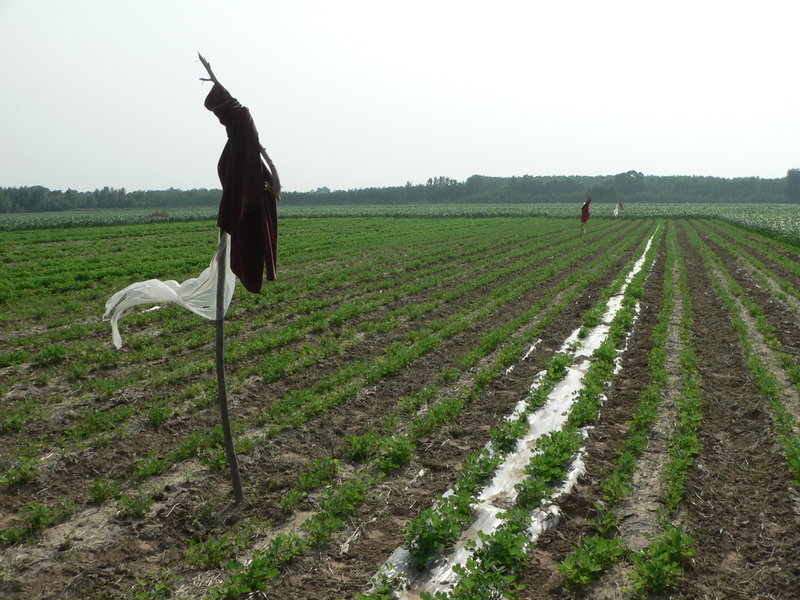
[(631, 186), (40, 199)]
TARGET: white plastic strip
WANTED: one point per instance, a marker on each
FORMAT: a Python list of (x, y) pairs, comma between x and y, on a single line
[(198, 295)]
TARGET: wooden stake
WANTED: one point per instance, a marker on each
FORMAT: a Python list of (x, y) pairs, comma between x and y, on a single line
[(222, 388), (207, 65), (220, 341)]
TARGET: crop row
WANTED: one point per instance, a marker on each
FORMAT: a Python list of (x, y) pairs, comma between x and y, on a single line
[(775, 220), (655, 567), (784, 407), (391, 443), (372, 355), (521, 278), (495, 558)]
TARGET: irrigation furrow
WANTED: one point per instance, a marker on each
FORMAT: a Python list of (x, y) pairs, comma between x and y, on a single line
[(550, 418), (775, 383), (740, 463)]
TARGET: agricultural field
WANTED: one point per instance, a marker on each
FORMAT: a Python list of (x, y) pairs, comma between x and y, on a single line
[(777, 220), (423, 408)]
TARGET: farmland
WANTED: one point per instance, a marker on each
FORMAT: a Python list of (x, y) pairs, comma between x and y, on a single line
[(376, 389)]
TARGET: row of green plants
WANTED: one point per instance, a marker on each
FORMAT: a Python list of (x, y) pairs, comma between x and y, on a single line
[(56, 353), (318, 317), (147, 467), (737, 302), (301, 405), (491, 569), (94, 419), (781, 255), (773, 270), (789, 295), (379, 452), (91, 268), (385, 448), (774, 220), (355, 376), (337, 334), (100, 356), (657, 568), (81, 219)]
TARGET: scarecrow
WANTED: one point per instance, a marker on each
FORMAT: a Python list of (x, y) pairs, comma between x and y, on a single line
[(585, 215), (248, 242), (250, 190)]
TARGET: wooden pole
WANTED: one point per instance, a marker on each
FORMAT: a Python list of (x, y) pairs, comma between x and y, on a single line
[(222, 388)]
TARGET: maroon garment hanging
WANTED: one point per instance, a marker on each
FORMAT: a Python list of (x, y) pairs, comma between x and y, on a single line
[(248, 210), (585, 210)]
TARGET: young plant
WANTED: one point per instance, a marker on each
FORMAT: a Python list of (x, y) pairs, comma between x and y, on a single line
[(21, 474), (395, 452), (102, 490), (592, 557), (213, 552), (436, 528), (152, 465), (491, 570), (322, 472), (134, 506), (158, 413), (658, 567)]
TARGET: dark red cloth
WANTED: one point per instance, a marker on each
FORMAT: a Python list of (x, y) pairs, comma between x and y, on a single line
[(248, 211), (585, 211)]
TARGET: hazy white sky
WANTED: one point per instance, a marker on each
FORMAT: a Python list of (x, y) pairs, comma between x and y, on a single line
[(360, 93)]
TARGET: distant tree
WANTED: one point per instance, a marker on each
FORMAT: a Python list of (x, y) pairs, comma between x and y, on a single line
[(793, 185), (602, 192), (630, 182), (440, 182)]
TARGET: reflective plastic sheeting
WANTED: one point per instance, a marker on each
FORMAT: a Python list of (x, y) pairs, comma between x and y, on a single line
[(198, 295)]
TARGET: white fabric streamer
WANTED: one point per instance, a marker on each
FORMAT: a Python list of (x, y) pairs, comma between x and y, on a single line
[(198, 295)]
